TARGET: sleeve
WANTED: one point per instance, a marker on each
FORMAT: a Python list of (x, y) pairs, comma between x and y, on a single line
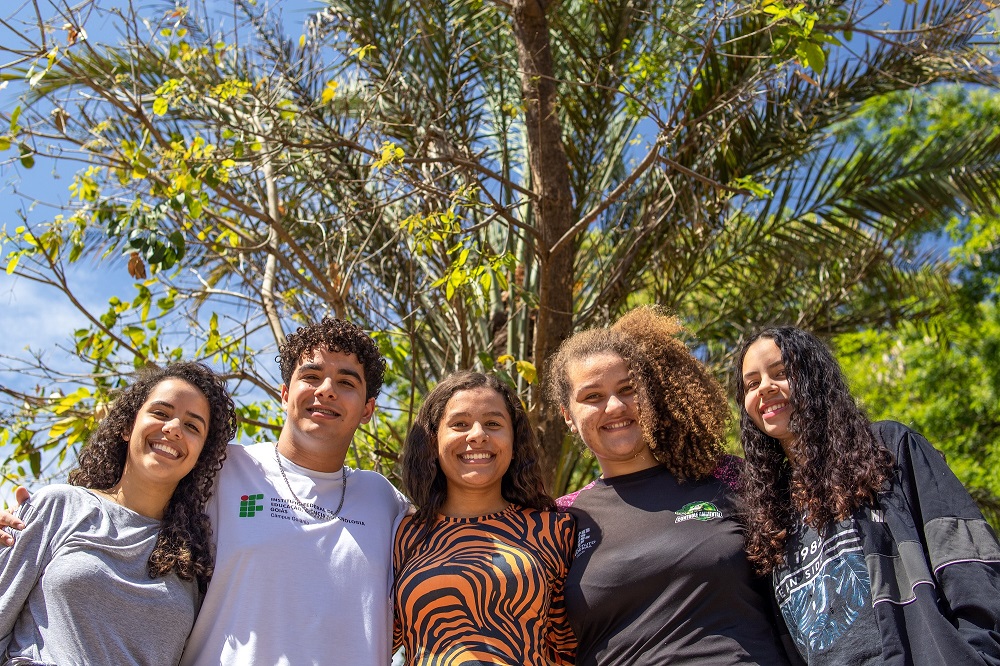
[(398, 560), (21, 565), (961, 547), (559, 638)]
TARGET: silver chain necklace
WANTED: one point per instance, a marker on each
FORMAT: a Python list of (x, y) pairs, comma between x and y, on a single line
[(315, 512)]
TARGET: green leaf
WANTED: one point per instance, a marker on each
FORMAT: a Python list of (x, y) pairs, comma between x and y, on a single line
[(812, 56), (27, 156)]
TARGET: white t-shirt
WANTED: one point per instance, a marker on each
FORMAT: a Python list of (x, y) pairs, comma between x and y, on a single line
[(290, 589)]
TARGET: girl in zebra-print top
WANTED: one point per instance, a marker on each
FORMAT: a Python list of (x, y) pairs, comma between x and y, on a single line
[(480, 565)]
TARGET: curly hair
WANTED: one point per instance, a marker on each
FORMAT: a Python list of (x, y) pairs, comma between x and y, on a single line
[(840, 466), (183, 544), (334, 335), (424, 482), (683, 410)]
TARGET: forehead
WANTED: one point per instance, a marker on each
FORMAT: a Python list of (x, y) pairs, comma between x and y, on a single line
[(762, 353), (174, 391), (479, 400), (331, 361), (598, 368)]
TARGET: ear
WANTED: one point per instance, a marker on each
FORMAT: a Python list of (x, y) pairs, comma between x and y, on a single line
[(568, 419), (369, 411), (284, 396)]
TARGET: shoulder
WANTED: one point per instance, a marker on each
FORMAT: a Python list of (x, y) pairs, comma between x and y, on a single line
[(566, 501), (730, 470), (256, 451), (61, 506), (373, 482), (890, 433), (62, 496), (554, 521), (905, 444), (377, 488)]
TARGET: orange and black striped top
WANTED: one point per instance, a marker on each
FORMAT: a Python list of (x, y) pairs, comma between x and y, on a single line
[(485, 590)]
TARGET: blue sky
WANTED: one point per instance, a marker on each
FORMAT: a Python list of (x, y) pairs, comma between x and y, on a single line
[(36, 316)]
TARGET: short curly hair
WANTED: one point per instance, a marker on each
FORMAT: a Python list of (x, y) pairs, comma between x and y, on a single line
[(183, 544), (334, 335), (683, 409), (844, 466), (424, 482)]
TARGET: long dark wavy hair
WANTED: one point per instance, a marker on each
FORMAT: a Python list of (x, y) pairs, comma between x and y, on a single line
[(424, 482), (683, 409), (840, 467), (334, 335), (184, 541)]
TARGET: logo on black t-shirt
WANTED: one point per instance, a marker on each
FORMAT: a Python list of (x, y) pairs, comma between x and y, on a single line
[(697, 511)]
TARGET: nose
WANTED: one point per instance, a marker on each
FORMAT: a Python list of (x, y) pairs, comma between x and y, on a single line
[(326, 388), (766, 385), (172, 428), (477, 433), (616, 404)]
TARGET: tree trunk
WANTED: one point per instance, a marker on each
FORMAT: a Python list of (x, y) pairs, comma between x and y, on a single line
[(553, 209)]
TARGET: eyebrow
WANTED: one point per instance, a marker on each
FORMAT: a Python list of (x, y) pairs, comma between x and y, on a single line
[(769, 366), (192, 415), (597, 384), (316, 367), (493, 413)]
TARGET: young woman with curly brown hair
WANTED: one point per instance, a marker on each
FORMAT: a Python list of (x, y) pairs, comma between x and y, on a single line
[(877, 553), (109, 569), (480, 565), (660, 575)]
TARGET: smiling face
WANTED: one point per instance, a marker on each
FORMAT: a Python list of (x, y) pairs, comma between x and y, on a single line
[(767, 392), (168, 434), (602, 410), (324, 402), (475, 444)]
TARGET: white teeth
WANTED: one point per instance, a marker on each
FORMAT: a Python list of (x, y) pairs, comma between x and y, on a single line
[(774, 407), (617, 426), (476, 456), (160, 446), (319, 410)]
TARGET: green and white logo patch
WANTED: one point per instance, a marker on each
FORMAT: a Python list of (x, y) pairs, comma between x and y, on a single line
[(697, 511)]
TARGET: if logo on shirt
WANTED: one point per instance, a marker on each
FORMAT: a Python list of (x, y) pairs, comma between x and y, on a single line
[(697, 511), (249, 507)]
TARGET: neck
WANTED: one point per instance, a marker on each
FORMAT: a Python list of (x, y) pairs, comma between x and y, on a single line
[(328, 458), (467, 504), (791, 452), (640, 461), (146, 501)]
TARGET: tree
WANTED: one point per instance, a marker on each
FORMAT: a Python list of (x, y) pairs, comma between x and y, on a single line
[(473, 180)]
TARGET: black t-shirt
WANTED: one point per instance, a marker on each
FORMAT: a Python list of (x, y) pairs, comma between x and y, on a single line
[(660, 576)]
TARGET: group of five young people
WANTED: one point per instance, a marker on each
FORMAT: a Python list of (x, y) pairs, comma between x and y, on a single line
[(876, 554)]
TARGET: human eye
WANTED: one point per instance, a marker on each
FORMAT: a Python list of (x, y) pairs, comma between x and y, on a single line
[(627, 389), (751, 384), (159, 413), (194, 427)]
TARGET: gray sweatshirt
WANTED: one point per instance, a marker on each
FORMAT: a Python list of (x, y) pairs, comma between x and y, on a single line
[(74, 587)]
